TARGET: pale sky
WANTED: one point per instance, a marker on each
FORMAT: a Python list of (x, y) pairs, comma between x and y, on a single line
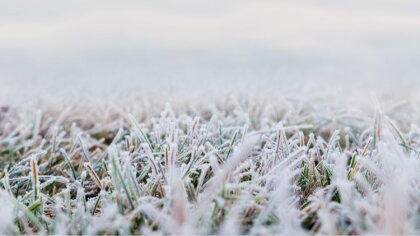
[(57, 46)]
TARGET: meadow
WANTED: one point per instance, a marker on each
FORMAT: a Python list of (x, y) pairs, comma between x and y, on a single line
[(238, 165)]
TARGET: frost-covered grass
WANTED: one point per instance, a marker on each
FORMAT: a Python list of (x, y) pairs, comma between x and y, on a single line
[(238, 166)]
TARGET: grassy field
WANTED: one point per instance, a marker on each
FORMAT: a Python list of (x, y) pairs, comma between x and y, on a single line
[(236, 166)]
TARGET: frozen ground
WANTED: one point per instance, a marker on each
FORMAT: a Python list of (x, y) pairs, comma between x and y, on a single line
[(278, 164), (224, 117)]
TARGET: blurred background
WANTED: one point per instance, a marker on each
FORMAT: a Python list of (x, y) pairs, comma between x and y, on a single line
[(68, 48)]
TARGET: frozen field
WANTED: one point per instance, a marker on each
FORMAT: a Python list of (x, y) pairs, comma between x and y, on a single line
[(233, 165), (209, 118)]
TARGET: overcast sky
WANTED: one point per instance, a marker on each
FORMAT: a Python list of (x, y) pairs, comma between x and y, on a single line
[(57, 46)]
